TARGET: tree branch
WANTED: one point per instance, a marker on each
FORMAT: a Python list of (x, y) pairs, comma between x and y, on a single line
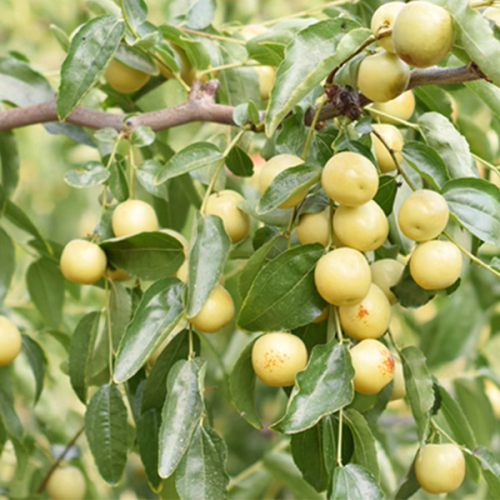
[(201, 106)]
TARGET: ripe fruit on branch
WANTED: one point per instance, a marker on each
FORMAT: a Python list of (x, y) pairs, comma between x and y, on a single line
[(401, 107), (342, 277), (387, 273), (10, 341), (83, 262), (373, 366), (423, 215), (393, 138), (422, 34), (278, 357), (398, 387), (182, 272), (382, 76), (364, 228), (383, 19), (275, 166), (493, 393), (349, 179), (123, 78), (369, 319), (225, 204), (66, 482), (440, 468), (133, 216), (435, 265), (217, 311), (266, 75), (493, 14), (314, 228)]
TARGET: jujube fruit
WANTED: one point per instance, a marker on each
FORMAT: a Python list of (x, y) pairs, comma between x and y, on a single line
[(394, 139), (123, 78), (10, 341), (314, 228), (216, 312), (66, 483), (383, 18), (401, 107), (385, 274), (133, 216), (83, 262)]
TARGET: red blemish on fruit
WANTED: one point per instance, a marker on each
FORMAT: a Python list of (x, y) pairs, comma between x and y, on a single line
[(387, 363), (362, 312), (273, 359)]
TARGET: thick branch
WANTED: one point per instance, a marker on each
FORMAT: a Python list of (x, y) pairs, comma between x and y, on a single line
[(201, 106)]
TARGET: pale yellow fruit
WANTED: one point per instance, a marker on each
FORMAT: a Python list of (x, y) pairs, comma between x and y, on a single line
[(66, 483), (493, 13), (383, 19), (398, 387), (493, 394), (422, 34), (382, 76), (373, 366), (252, 30), (393, 138), (314, 228), (10, 341), (83, 262), (275, 166), (225, 204), (124, 79), (435, 265), (266, 76), (187, 72), (182, 272), (118, 275), (369, 319), (423, 215), (364, 228), (324, 315), (385, 274), (440, 468), (217, 311), (401, 107), (133, 216), (277, 357), (177, 236), (350, 179), (342, 277)]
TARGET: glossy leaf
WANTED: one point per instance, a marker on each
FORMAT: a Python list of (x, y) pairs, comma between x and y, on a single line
[(239, 162), (181, 412), (146, 173), (46, 288), (193, 157), (310, 57), (195, 51), (142, 136), (285, 185), (149, 255), (91, 49), (322, 388), (409, 484), (37, 361), (206, 261), (202, 470), (91, 174), (120, 308), (9, 162), (418, 383), (476, 203), (117, 181), (8, 260), (491, 470), (60, 36), (283, 295), (159, 311), (242, 387), (386, 193), (488, 93), (106, 431), (135, 11), (353, 482), (148, 428), (200, 14)]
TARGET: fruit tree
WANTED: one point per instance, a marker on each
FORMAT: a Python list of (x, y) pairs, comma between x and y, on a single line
[(249, 249)]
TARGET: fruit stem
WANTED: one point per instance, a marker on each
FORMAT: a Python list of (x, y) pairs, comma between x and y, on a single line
[(191, 348), (213, 37), (227, 66), (393, 341), (312, 128), (108, 321), (131, 166), (289, 228), (399, 121), (446, 435), (472, 257), (487, 164), (339, 440), (338, 328)]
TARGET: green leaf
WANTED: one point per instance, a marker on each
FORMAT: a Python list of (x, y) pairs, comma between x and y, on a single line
[(8, 260), (476, 203), (37, 361), (434, 98), (418, 383), (322, 388), (159, 311), (106, 431), (491, 471), (201, 13), (181, 412), (242, 387), (409, 484), (365, 452), (155, 388), (195, 51), (193, 157), (386, 193), (91, 174), (91, 49), (354, 482), (146, 173), (135, 12), (440, 134), (80, 353), (21, 220), (307, 452), (148, 428), (283, 295), (61, 37), (117, 182), (150, 255), (311, 56), (202, 471), (120, 308), (142, 136), (206, 261), (488, 93), (473, 34), (9, 161), (239, 163), (424, 160), (285, 185), (46, 288), (106, 135)]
